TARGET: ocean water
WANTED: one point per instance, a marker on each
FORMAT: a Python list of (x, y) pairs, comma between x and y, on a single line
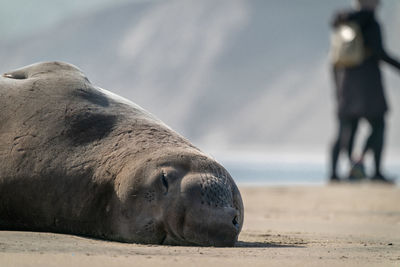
[(291, 173)]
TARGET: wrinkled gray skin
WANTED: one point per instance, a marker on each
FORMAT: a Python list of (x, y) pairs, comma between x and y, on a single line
[(77, 159)]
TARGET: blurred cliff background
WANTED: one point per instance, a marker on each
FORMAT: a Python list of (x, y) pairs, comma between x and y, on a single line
[(247, 81)]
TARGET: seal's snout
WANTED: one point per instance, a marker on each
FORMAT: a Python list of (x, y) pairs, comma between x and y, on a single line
[(215, 191), (211, 216)]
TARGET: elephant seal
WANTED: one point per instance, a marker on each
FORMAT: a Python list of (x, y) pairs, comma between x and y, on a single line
[(77, 159)]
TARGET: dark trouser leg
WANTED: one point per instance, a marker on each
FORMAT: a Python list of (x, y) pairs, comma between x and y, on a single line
[(375, 141), (334, 157), (344, 141), (350, 142)]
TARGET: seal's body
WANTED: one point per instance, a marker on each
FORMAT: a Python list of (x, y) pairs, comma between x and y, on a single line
[(77, 159)]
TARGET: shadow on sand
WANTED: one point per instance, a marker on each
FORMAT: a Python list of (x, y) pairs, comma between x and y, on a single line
[(243, 244)]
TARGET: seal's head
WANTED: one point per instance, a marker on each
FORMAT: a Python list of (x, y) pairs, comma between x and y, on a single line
[(181, 199)]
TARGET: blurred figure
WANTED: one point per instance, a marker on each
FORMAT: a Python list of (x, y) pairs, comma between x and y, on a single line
[(360, 92)]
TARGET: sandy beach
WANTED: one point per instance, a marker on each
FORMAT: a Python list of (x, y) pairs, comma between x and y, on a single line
[(335, 225)]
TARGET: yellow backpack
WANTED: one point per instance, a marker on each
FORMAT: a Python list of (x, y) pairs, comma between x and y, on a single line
[(347, 45)]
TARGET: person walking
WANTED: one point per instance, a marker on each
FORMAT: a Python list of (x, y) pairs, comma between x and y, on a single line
[(360, 92)]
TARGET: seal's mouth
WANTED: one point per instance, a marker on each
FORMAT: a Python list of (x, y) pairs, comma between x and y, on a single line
[(218, 227), (208, 226)]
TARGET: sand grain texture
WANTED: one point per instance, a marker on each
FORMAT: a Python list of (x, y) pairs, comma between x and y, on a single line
[(343, 225)]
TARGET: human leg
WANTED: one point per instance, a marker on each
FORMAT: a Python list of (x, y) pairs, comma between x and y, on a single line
[(344, 141), (375, 142), (353, 124)]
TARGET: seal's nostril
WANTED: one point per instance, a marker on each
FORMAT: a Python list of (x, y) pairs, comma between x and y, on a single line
[(235, 222)]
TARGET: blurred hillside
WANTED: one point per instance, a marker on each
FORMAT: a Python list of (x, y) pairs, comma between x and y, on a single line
[(227, 74)]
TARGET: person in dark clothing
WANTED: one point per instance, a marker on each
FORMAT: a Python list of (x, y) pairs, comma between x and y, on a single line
[(360, 92)]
